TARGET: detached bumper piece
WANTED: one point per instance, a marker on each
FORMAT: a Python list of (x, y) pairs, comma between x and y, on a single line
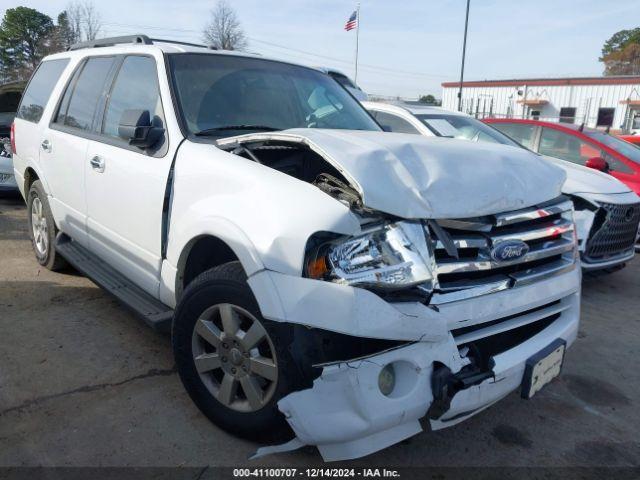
[(613, 235), (445, 385)]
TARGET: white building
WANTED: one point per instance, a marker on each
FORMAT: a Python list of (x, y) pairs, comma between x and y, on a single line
[(595, 101)]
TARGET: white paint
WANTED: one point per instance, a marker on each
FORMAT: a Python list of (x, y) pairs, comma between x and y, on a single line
[(419, 177)]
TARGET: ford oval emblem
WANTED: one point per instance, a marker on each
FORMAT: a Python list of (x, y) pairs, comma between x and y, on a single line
[(509, 251)]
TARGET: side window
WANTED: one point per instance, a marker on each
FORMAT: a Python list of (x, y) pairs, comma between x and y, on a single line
[(39, 89), (395, 123), (616, 165), (521, 133), (135, 88), (566, 147), (83, 93)]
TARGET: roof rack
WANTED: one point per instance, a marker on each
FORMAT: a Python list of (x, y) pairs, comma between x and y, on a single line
[(111, 41), (178, 42), (130, 39)]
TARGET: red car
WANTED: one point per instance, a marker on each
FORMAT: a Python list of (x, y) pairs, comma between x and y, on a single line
[(635, 139), (585, 146)]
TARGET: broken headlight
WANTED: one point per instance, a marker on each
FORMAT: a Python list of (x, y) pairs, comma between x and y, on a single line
[(391, 256)]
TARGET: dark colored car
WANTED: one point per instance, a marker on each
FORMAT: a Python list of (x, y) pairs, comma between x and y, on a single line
[(10, 94)]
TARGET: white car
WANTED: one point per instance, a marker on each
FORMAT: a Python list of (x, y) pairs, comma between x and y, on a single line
[(324, 282), (605, 241)]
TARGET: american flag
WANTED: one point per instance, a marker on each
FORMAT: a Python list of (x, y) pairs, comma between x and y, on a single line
[(352, 22)]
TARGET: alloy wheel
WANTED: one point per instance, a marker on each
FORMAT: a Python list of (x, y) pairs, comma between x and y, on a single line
[(235, 357), (39, 227)]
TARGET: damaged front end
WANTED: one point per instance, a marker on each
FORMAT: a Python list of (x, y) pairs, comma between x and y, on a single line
[(413, 322)]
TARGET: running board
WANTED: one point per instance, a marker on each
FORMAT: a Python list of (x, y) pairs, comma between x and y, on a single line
[(156, 314)]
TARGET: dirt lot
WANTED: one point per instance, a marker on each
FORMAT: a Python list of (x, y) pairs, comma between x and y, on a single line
[(84, 383)]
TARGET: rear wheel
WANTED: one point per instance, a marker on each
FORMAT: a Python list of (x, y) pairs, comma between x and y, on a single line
[(42, 228), (233, 363)]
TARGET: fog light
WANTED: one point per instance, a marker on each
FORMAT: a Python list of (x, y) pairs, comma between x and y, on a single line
[(387, 380)]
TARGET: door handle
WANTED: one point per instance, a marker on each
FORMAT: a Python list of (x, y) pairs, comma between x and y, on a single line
[(46, 146), (97, 163)]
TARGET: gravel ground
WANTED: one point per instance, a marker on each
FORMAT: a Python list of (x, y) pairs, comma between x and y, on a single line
[(84, 383)]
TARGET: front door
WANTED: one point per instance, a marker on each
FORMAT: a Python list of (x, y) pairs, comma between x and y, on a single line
[(125, 184)]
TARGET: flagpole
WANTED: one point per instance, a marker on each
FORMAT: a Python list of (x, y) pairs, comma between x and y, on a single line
[(355, 79)]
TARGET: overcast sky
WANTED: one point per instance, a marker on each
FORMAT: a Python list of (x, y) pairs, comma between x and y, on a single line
[(406, 48)]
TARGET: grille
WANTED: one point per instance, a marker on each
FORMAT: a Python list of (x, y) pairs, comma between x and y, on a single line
[(613, 233), (547, 230)]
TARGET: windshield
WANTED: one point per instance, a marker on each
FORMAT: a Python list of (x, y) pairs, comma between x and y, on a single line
[(466, 128), (225, 95), (627, 149)]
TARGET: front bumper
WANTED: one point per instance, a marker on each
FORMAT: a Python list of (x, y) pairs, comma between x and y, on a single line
[(344, 413)]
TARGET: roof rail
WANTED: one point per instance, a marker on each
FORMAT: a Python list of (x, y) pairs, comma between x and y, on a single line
[(178, 42), (135, 39), (111, 41)]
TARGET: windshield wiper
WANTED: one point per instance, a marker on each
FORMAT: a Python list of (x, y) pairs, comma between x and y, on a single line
[(214, 130)]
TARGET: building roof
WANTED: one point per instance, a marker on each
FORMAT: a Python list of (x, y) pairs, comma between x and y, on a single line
[(520, 82)]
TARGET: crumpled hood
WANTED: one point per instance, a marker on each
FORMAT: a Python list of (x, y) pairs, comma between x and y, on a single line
[(412, 176), (582, 179)]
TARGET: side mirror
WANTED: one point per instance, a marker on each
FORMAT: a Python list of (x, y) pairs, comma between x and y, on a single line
[(598, 163), (135, 127), (386, 128)]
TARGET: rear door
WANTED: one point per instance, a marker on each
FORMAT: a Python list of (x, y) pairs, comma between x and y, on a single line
[(125, 184), (65, 141), (30, 118)]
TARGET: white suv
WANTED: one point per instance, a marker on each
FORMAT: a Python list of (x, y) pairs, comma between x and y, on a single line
[(322, 280)]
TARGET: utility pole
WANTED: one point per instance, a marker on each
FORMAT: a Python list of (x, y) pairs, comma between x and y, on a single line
[(464, 51), (355, 77)]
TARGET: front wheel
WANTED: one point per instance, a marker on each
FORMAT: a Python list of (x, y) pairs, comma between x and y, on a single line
[(233, 363)]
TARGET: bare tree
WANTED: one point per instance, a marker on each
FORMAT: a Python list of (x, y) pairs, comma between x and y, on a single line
[(84, 20), (224, 30), (92, 22)]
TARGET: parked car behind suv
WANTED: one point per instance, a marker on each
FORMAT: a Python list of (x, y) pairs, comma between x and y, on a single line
[(607, 212), (10, 94), (321, 279), (577, 144)]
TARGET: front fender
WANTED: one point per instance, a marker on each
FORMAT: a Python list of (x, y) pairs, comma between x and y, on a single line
[(187, 231)]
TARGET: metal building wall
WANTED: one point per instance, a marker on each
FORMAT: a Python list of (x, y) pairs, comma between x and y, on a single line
[(587, 99)]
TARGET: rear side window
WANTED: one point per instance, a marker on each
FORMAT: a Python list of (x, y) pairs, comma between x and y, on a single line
[(395, 123), (135, 88), (566, 147), (81, 98), (39, 89), (522, 133)]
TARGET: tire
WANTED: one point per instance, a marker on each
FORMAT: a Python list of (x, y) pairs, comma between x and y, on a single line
[(42, 229), (204, 302)]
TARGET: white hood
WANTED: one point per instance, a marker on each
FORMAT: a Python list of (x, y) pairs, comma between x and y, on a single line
[(582, 179), (419, 177)]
